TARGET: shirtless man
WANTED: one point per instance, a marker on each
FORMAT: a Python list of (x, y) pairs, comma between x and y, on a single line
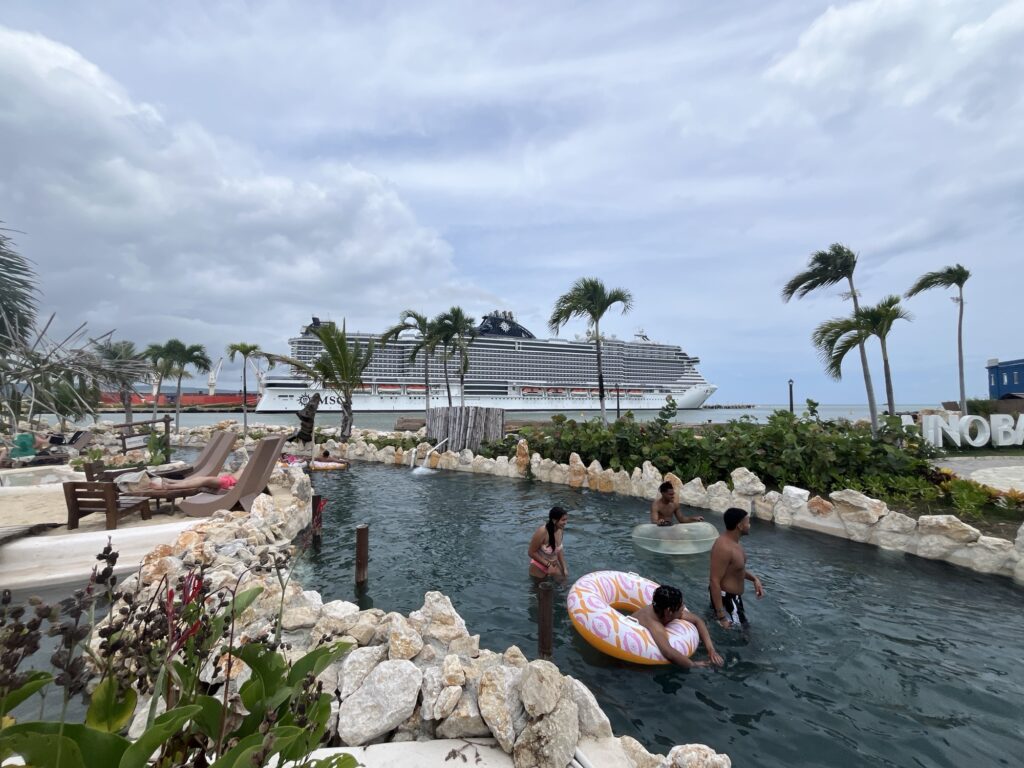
[(667, 606), (665, 508), (729, 570)]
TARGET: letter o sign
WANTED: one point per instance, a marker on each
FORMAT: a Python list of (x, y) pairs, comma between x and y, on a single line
[(983, 435)]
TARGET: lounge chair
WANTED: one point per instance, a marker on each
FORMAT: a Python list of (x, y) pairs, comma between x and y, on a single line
[(85, 498), (211, 460), (251, 483)]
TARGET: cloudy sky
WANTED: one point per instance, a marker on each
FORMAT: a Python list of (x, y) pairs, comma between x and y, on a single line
[(221, 172)]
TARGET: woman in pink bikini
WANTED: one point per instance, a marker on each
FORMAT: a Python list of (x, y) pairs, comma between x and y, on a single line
[(547, 557), (211, 483)]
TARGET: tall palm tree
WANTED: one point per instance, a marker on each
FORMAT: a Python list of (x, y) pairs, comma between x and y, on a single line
[(184, 356), (340, 368), (457, 330), (247, 351), (836, 337), (956, 275), (162, 368), (426, 341), (825, 269), (590, 300), (118, 352)]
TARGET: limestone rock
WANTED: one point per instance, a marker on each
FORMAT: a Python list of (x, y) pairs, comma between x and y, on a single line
[(948, 526), (446, 701), (719, 497), (696, 756), (500, 704), (452, 672), (577, 471), (819, 515), (432, 687), (603, 482), (465, 721), (986, 555), (1018, 543), (746, 483), (540, 687), (549, 742), (438, 619), (855, 507), (385, 699), (356, 666), (693, 494), (820, 507), (792, 501), (336, 617), (364, 628), (594, 722), (522, 457), (621, 482), (895, 531), (468, 646), (404, 642), (650, 479), (303, 612), (639, 755), (764, 507), (513, 657)]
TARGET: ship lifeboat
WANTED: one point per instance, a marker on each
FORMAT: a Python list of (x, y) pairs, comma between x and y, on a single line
[(556, 391), (634, 392), (389, 389), (579, 392), (362, 390), (415, 389), (532, 391)]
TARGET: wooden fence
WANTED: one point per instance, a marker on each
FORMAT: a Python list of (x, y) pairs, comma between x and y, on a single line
[(465, 427)]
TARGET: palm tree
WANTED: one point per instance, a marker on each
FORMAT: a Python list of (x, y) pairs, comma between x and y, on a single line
[(184, 356), (825, 269), (836, 337), (17, 295), (426, 342), (340, 368), (457, 330), (590, 300), (246, 351), (118, 352), (946, 278), (163, 368)]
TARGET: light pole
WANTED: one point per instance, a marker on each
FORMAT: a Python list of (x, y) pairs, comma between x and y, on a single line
[(791, 396)]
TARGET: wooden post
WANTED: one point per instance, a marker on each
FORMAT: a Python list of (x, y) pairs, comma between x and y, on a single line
[(167, 436), (545, 619), (317, 523), (362, 552)]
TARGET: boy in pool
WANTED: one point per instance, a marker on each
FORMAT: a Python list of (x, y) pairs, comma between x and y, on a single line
[(729, 570), (665, 508), (667, 606)]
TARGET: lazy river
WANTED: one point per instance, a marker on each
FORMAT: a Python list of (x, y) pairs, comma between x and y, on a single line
[(856, 656)]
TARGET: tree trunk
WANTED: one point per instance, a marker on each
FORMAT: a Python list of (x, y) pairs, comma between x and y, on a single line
[(890, 398), (600, 373), (462, 379), (177, 406), (346, 419), (960, 353), (126, 402), (426, 383), (447, 383), (245, 401), (872, 405), (156, 394)]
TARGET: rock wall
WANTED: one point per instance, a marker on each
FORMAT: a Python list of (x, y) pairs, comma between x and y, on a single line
[(407, 678), (847, 514)]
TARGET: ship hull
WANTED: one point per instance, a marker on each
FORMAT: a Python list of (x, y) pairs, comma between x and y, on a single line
[(292, 399)]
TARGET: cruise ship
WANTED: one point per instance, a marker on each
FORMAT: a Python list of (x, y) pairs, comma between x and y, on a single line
[(508, 368)]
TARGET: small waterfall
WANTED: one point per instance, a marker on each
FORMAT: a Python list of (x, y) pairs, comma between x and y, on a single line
[(425, 470)]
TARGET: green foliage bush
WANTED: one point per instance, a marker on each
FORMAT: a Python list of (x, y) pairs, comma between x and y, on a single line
[(405, 443), (785, 450)]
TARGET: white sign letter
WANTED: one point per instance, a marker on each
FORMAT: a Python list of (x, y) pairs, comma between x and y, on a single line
[(980, 440), (1002, 430)]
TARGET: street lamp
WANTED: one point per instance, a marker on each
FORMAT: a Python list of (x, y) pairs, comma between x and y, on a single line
[(791, 396)]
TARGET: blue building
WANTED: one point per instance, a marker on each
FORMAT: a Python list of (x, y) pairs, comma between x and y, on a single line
[(1005, 379)]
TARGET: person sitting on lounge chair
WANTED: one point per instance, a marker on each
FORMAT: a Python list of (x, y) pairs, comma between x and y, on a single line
[(208, 483), (24, 446)]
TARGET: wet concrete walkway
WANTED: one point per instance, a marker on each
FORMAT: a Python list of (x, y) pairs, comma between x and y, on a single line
[(1004, 473)]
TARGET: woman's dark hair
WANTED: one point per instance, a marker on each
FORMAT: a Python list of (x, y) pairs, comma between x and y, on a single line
[(556, 514), (666, 598)]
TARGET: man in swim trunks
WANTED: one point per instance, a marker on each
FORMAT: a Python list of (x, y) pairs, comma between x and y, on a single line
[(665, 508), (729, 570), (667, 606)]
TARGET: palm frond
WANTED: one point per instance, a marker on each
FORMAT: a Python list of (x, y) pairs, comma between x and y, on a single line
[(824, 269), (588, 299), (947, 277)]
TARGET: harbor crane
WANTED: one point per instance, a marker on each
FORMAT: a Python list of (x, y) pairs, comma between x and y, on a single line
[(211, 380)]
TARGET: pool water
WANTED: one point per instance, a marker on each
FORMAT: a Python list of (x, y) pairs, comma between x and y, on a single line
[(856, 656)]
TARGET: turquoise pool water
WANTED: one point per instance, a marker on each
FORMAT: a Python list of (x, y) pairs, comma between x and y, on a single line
[(856, 657)]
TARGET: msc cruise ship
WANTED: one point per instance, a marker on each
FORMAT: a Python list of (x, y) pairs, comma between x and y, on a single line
[(508, 368)]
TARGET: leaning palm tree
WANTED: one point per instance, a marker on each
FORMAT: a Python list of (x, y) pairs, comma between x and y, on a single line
[(825, 269), (836, 337), (590, 300), (193, 355), (119, 352), (162, 368), (946, 278), (457, 331), (425, 343), (247, 351)]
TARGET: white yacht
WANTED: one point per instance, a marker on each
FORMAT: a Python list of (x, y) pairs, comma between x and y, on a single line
[(508, 368)]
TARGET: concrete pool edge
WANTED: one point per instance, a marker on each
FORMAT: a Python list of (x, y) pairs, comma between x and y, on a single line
[(846, 514)]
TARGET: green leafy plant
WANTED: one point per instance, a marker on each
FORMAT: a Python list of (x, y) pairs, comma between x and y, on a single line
[(968, 497), (157, 448)]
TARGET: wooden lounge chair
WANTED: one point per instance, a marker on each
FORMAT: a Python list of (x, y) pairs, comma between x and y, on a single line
[(251, 483), (211, 460), (85, 498)]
